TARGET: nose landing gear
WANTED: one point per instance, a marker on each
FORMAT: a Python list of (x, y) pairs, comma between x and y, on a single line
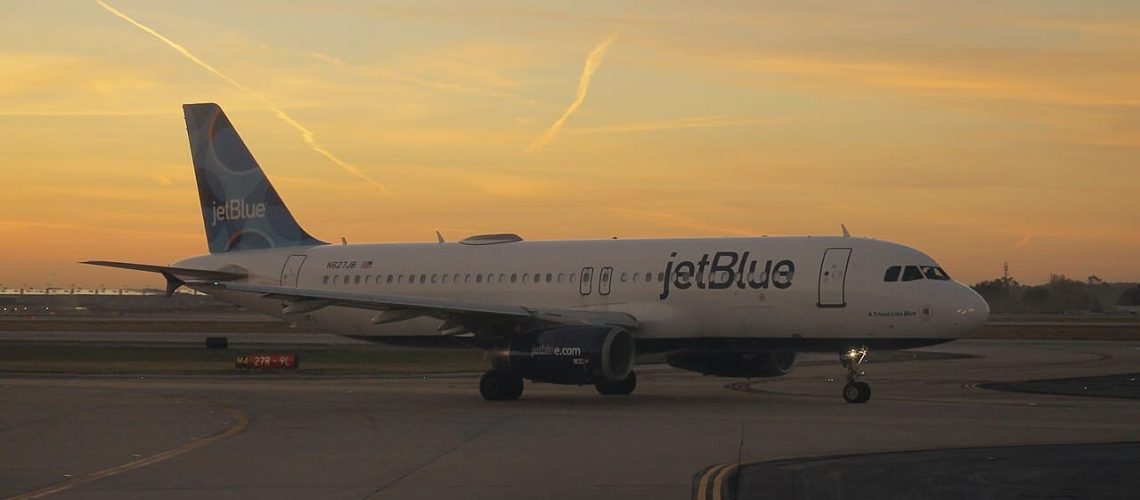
[(855, 391)]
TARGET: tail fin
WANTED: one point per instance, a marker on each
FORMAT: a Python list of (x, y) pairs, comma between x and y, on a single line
[(240, 208)]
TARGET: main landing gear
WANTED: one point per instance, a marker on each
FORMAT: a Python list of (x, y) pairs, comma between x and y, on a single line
[(499, 386), (855, 391)]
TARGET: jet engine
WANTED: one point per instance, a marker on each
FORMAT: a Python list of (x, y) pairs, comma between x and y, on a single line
[(568, 355), (734, 364)]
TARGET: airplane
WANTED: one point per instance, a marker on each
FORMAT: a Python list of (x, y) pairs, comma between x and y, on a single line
[(566, 312)]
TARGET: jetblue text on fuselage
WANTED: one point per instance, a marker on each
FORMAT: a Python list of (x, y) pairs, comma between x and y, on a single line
[(726, 270), (237, 210)]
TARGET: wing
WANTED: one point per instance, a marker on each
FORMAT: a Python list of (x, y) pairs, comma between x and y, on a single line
[(459, 316)]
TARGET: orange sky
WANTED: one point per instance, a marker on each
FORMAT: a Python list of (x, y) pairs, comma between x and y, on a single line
[(974, 131)]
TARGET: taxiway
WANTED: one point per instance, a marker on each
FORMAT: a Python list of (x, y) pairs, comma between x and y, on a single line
[(297, 436)]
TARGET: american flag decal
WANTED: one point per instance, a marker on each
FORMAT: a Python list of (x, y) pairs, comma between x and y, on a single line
[(367, 264)]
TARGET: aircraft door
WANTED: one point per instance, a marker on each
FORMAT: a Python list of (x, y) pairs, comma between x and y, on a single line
[(833, 277), (292, 270), (604, 280), (585, 285)]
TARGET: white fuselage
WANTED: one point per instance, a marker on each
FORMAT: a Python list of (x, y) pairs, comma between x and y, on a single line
[(738, 288)]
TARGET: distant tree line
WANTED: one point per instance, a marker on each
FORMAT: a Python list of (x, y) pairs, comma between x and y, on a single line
[(1060, 295)]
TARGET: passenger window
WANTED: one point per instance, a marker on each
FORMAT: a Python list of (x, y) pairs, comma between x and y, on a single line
[(357, 280), (389, 280), (560, 276), (467, 278), (549, 277), (455, 278), (526, 278), (400, 279), (326, 280), (479, 278), (434, 277), (684, 277), (624, 277), (661, 277), (445, 279), (368, 279), (892, 273), (636, 276), (502, 277), (514, 278), (911, 273), (537, 277)]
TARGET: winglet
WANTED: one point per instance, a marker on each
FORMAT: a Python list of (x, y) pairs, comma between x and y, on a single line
[(846, 234), (439, 237)]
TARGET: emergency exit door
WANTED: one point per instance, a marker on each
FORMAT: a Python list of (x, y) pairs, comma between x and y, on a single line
[(604, 280), (586, 281), (833, 277), (292, 270)]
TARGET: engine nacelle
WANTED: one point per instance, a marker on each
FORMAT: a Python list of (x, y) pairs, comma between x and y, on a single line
[(568, 355), (734, 364)]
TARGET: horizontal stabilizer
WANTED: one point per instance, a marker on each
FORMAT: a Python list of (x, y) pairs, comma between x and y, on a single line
[(175, 276), (181, 272)]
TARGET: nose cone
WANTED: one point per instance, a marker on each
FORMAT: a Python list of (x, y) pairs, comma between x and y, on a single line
[(970, 311)]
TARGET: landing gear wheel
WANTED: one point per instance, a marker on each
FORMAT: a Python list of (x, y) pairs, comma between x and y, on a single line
[(498, 386), (857, 392), (622, 387)]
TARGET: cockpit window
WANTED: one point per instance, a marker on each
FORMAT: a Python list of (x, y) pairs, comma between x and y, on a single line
[(892, 273), (911, 273), (935, 273)]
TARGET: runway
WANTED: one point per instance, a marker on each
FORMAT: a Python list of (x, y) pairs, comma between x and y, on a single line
[(287, 436)]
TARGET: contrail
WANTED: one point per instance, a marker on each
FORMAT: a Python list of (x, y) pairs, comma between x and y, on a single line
[(592, 62), (306, 134)]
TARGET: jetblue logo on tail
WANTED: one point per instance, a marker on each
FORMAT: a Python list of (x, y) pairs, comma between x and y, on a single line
[(234, 210)]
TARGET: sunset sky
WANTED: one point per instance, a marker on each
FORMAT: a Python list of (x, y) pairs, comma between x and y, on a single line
[(978, 132)]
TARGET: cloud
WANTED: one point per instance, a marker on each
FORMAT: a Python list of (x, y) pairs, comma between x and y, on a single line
[(31, 73), (672, 124), (442, 86), (679, 221), (512, 187), (306, 134), (593, 61)]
